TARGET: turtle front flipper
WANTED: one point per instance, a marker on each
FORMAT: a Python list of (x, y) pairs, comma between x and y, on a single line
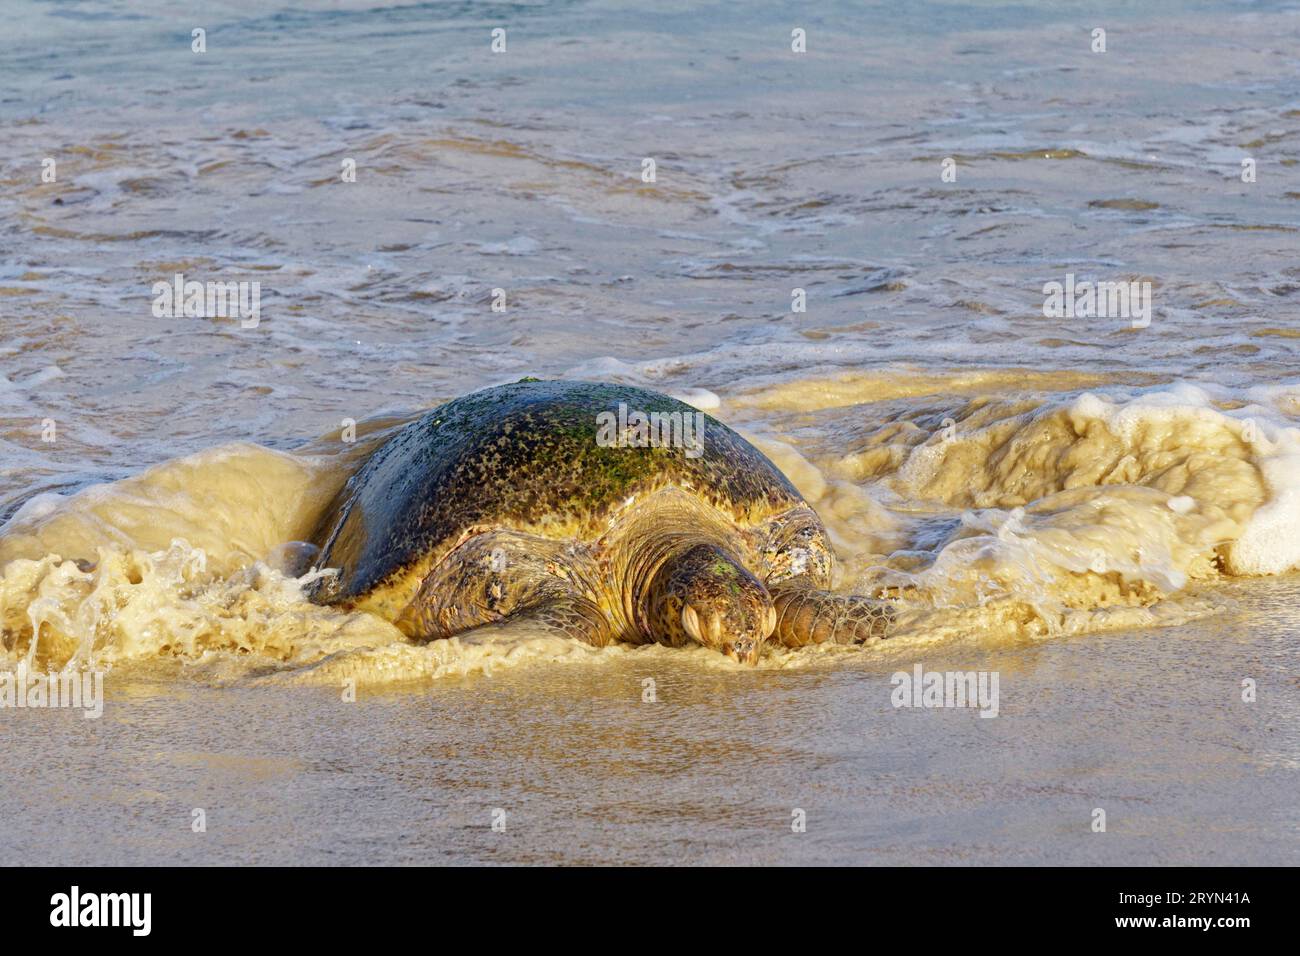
[(560, 615), (505, 578), (807, 615)]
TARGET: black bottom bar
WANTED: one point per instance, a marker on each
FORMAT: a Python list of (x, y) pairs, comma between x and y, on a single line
[(333, 906)]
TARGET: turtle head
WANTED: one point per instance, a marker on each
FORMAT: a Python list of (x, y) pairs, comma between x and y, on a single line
[(703, 595)]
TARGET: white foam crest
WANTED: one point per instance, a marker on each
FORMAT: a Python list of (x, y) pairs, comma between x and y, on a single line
[(1083, 511)]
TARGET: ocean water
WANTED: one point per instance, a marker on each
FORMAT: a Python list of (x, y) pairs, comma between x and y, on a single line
[(1103, 510)]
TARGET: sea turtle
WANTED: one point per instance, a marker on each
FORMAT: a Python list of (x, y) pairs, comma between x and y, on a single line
[(605, 512)]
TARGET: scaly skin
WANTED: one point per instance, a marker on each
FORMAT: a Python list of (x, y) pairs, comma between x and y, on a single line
[(809, 616)]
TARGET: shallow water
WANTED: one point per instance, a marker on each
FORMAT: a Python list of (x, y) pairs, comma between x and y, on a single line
[(1104, 515), (1147, 726)]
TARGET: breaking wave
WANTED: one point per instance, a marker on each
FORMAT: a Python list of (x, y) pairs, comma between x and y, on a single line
[(1001, 518)]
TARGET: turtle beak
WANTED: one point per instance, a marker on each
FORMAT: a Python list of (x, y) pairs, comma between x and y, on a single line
[(708, 631), (691, 621), (744, 651), (705, 630)]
